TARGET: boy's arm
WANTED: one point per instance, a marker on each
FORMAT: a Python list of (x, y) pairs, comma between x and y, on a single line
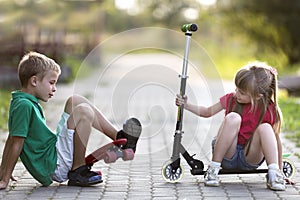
[(12, 150), (5, 156)]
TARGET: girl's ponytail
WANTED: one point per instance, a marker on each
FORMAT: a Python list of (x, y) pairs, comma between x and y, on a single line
[(274, 86)]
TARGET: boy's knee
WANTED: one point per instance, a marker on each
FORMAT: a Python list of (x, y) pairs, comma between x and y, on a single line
[(72, 102), (84, 111)]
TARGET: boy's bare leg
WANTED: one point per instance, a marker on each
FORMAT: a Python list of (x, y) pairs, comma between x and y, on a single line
[(99, 120), (84, 116), (80, 120)]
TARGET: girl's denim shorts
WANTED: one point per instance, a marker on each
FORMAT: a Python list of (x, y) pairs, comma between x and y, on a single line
[(238, 161)]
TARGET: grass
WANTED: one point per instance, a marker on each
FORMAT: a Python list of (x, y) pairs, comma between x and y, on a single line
[(4, 102), (290, 108)]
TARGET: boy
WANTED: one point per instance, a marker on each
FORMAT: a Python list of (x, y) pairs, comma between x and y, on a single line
[(46, 155)]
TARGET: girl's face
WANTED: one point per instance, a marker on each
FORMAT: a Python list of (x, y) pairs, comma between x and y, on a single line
[(242, 97)]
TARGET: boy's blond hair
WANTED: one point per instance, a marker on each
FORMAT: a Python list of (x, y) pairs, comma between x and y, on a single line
[(35, 64)]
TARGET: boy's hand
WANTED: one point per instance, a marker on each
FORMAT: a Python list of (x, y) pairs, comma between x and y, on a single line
[(180, 100)]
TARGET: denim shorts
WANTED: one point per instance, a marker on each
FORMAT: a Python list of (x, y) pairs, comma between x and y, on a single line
[(238, 161)]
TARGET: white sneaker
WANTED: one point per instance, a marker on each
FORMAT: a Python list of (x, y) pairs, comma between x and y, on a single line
[(211, 177), (275, 180)]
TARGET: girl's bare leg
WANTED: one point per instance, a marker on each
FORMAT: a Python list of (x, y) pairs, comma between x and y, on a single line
[(227, 137), (263, 145)]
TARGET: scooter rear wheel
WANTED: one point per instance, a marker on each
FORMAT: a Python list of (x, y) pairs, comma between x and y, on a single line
[(170, 174)]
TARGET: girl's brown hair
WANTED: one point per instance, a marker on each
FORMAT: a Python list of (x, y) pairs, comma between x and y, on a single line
[(259, 81)]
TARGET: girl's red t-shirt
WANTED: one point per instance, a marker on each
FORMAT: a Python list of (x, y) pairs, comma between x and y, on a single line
[(249, 119)]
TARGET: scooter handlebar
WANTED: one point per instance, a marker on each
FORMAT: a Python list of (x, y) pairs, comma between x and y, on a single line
[(189, 27)]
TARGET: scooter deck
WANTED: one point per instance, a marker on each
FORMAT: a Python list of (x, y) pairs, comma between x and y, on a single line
[(231, 171)]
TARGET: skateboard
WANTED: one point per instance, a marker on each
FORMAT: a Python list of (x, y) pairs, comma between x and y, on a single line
[(110, 153), (172, 170)]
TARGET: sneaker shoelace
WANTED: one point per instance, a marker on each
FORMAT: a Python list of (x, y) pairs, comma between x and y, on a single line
[(278, 177), (211, 174)]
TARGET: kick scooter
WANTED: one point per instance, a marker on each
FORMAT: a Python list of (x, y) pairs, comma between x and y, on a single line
[(172, 170)]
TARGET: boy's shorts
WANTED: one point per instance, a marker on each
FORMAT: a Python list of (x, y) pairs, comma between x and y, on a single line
[(65, 150), (238, 161)]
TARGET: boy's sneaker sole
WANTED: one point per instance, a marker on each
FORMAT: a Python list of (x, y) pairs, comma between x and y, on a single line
[(83, 176), (132, 130), (93, 181), (133, 127)]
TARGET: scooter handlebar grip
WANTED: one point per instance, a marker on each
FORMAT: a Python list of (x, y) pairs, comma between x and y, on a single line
[(189, 27)]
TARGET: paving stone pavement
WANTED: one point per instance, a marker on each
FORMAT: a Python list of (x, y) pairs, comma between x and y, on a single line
[(121, 92)]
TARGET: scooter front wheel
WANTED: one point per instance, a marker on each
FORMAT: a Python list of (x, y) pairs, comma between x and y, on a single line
[(288, 168), (171, 174)]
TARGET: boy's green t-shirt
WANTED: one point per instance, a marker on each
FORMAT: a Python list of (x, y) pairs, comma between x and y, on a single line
[(26, 119)]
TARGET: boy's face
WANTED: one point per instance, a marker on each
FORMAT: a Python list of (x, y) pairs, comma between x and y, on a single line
[(46, 87)]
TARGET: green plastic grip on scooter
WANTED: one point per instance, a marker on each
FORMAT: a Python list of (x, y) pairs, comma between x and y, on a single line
[(189, 27), (285, 155)]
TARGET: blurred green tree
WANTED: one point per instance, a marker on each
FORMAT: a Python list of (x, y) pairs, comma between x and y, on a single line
[(272, 24)]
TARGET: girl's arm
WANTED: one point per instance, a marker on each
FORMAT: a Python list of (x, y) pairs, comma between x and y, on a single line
[(12, 150), (279, 147), (201, 111), (280, 162)]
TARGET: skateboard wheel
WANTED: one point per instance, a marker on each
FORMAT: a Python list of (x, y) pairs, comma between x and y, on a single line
[(288, 168), (110, 157), (171, 175), (128, 154)]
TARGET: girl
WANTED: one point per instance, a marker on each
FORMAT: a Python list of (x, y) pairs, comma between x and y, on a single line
[(250, 131)]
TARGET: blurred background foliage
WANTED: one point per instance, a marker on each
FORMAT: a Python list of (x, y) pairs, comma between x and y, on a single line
[(233, 32)]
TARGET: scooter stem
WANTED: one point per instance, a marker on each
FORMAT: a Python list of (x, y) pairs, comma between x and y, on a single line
[(179, 132), (184, 77)]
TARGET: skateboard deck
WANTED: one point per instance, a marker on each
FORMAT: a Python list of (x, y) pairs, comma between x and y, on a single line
[(110, 153)]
